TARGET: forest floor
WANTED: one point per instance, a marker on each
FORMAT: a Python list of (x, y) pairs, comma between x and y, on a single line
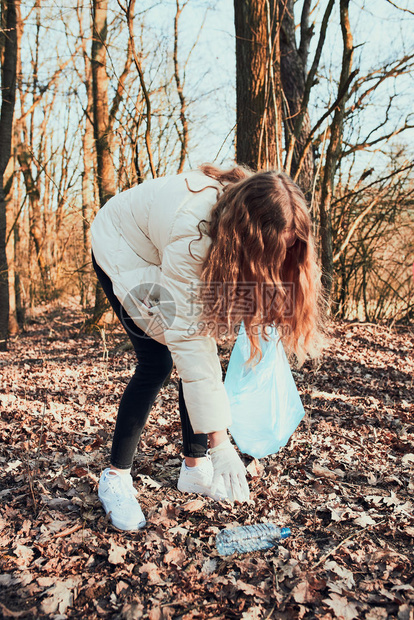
[(344, 484)]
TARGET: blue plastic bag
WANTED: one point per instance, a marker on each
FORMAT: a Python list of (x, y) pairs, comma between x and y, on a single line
[(265, 404)]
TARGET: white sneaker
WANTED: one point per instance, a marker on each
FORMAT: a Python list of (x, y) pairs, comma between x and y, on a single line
[(117, 495), (199, 480)]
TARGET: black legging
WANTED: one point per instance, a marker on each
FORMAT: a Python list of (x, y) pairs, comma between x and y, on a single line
[(154, 366)]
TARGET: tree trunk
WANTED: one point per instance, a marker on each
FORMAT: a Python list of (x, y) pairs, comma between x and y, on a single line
[(296, 118), (105, 165), (333, 151), (271, 87), (183, 133), (259, 127), (16, 288), (8, 86), (11, 211), (36, 228), (88, 199)]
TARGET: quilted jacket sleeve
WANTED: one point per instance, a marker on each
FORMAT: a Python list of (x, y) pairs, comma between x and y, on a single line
[(195, 356)]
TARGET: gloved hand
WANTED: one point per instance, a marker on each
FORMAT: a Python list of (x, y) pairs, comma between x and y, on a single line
[(230, 471)]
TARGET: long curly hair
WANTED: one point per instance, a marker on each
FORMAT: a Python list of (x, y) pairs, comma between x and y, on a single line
[(261, 264)]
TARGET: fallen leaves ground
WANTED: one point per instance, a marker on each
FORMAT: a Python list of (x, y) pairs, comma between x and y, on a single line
[(344, 484)]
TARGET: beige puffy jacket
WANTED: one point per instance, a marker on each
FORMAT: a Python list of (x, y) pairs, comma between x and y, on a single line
[(141, 239)]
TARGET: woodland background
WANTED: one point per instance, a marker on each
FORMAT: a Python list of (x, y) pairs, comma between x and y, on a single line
[(107, 93), (99, 95)]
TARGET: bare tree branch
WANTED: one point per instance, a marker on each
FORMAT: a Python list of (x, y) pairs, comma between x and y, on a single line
[(400, 8), (183, 134), (129, 14)]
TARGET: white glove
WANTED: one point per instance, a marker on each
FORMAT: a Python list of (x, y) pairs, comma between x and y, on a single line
[(230, 471)]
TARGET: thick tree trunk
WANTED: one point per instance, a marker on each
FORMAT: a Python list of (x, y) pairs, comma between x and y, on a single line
[(271, 86), (259, 127), (8, 86), (293, 75), (334, 149)]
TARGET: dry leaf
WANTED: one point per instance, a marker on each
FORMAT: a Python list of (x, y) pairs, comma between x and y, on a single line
[(255, 468), (376, 613), (391, 500), (193, 505), (120, 587), (60, 596), (116, 553), (46, 582), (364, 520), (288, 569), (347, 577), (78, 471), (175, 556), (344, 608), (155, 613), (405, 612), (249, 589), (24, 555), (209, 566), (133, 611), (150, 482), (253, 613), (153, 573), (303, 592), (181, 531), (337, 514), (323, 472)]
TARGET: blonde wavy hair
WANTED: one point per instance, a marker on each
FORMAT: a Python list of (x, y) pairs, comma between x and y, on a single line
[(262, 242)]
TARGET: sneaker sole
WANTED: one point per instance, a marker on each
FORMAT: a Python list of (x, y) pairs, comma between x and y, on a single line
[(122, 525), (199, 490), (192, 488)]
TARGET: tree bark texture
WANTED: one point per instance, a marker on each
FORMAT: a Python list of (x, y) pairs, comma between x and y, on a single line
[(87, 204), (101, 124), (259, 128), (271, 87), (11, 221), (8, 86), (36, 224), (88, 186), (296, 118), (334, 149), (105, 166)]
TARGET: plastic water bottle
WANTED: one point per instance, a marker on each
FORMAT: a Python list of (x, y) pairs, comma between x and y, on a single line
[(249, 538)]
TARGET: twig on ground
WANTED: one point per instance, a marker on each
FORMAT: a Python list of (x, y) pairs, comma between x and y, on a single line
[(68, 531), (354, 534), (37, 455)]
